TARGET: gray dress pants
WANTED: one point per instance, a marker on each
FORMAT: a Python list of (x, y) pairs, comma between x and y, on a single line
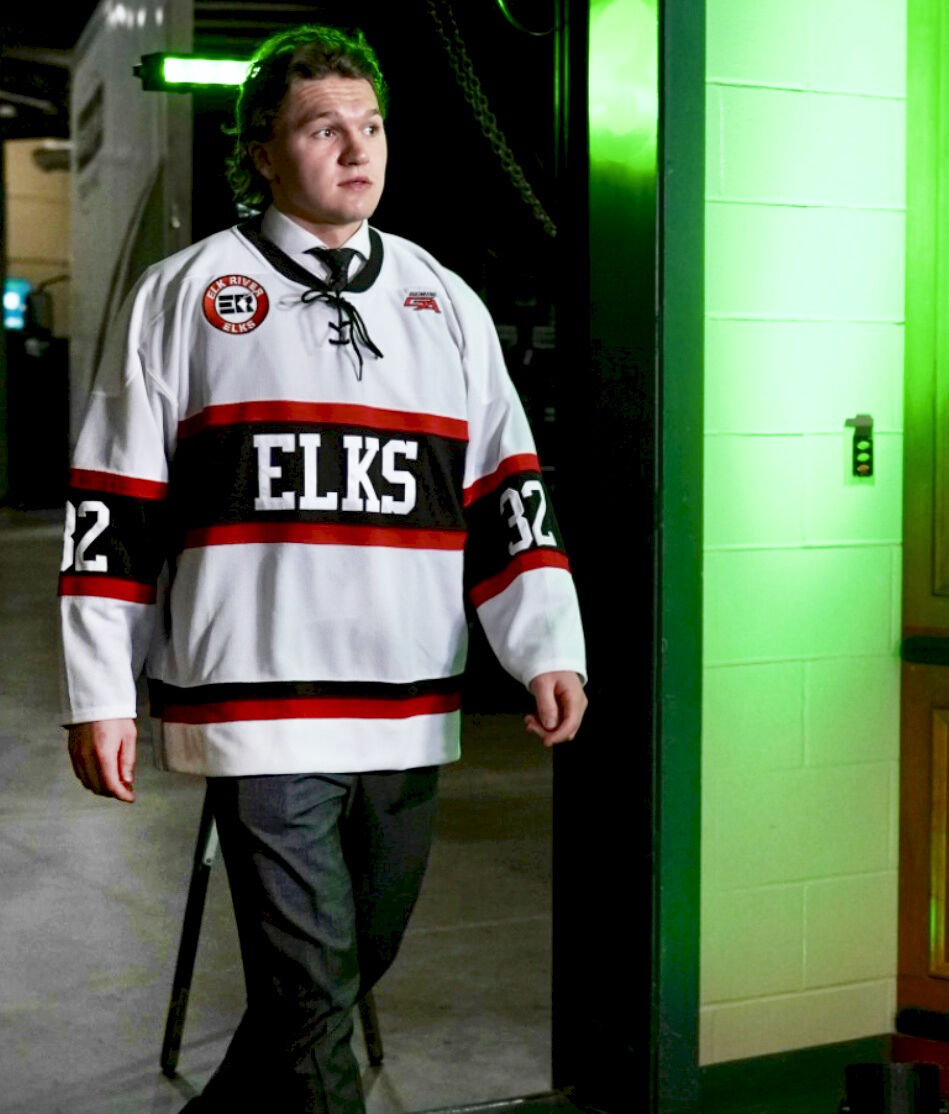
[(324, 870)]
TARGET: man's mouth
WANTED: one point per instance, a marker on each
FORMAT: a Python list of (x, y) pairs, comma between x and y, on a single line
[(356, 183)]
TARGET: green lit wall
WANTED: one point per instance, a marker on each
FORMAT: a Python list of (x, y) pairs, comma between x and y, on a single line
[(804, 309), (623, 121), (623, 89)]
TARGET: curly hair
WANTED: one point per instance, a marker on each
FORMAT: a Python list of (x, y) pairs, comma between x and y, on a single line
[(309, 51)]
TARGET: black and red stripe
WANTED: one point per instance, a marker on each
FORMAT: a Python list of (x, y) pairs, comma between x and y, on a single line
[(216, 481), (112, 587), (269, 700), (490, 566), (522, 463), (132, 544), (320, 533), (84, 479), (546, 558), (288, 411)]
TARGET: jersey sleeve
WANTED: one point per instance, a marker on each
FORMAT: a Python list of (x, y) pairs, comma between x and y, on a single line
[(114, 538), (517, 574)]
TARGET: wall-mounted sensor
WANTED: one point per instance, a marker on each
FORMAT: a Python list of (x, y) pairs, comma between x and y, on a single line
[(862, 444)]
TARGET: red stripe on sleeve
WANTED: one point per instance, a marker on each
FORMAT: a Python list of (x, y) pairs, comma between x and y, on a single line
[(328, 413), (115, 484), (535, 559), (111, 587), (524, 462)]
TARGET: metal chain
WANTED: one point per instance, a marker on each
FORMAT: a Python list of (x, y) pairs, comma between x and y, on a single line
[(473, 93), (516, 23)]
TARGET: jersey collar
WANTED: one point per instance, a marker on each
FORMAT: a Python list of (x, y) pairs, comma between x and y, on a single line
[(258, 231), (297, 242)]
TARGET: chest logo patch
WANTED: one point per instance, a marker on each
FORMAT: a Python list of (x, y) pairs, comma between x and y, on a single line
[(421, 299), (235, 304)]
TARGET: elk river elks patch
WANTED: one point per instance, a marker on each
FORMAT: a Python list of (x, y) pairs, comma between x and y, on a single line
[(235, 304)]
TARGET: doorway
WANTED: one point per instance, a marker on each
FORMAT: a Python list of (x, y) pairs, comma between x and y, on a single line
[(923, 980)]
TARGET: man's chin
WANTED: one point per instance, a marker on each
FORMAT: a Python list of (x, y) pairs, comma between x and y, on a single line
[(356, 205), (361, 211), (323, 218)]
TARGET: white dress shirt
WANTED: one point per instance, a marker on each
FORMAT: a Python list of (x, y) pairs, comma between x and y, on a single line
[(295, 241)]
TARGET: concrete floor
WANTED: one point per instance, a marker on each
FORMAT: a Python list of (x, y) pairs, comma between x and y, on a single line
[(92, 894)]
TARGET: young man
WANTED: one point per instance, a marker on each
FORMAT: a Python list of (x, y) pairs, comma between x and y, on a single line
[(294, 464)]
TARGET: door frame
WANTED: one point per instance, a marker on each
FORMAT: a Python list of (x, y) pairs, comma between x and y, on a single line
[(627, 793), (925, 620)]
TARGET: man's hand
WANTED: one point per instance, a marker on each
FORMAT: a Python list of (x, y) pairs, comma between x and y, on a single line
[(561, 703), (103, 756)]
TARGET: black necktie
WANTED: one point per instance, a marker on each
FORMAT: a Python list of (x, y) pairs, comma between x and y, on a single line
[(349, 326), (337, 261)]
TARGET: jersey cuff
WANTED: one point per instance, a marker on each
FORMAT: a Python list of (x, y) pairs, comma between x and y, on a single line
[(96, 713), (555, 667)]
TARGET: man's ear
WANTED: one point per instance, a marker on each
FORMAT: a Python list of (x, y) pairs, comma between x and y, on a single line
[(258, 152)]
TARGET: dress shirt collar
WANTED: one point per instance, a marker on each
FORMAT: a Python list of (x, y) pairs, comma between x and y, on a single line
[(294, 239)]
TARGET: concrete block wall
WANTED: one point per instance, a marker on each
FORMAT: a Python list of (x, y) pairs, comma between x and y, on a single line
[(804, 277), (38, 246)]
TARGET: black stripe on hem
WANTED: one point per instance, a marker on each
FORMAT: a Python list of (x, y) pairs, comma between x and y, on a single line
[(160, 693)]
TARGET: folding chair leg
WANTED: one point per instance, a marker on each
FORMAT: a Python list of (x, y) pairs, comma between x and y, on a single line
[(370, 1029), (204, 852)]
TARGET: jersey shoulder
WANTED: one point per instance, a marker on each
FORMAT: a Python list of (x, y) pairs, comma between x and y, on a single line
[(416, 264), (221, 252), (167, 289)]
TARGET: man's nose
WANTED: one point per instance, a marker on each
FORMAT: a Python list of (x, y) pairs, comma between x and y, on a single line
[(354, 152)]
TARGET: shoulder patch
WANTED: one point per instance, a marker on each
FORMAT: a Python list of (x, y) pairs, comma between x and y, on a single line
[(421, 299), (235, 304)]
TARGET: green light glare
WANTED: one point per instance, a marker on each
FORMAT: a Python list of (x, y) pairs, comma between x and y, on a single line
[(623, 83), (203, 71)]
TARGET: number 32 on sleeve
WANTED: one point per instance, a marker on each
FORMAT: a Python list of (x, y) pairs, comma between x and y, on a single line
[(76, 551), (528, 533)]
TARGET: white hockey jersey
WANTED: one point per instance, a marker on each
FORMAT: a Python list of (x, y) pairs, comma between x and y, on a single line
[(281, 526)]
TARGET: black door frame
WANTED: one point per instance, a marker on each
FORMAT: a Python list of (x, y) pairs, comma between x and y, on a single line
[(627, 792)]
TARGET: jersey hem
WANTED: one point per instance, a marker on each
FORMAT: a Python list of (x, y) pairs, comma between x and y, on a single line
[(253, 747)]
